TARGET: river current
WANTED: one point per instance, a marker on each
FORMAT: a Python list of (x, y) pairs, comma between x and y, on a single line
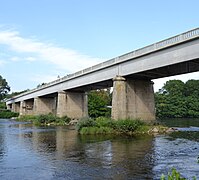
[(48, 153)]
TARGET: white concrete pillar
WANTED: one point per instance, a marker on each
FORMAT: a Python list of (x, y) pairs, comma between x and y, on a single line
[(72, 104), (43, 105), (119, 104), (62, 104), (133, 99), (22, 110)]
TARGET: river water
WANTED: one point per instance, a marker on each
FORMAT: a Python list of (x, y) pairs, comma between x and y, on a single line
[(29, 152)]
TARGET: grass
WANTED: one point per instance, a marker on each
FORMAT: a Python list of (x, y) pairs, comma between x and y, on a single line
[(104, 125), (45, 119), (7, 114)]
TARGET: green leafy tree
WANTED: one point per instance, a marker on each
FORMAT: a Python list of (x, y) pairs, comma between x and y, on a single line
[(4, 87), (97, 103), (178, 99)]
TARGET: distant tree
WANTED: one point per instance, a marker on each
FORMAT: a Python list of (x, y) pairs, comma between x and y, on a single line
[(4, 87), (39, 85), (178, 99), (97, 103), (15, 93)]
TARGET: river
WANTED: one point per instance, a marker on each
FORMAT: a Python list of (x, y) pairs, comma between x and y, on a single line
[(47, 153)]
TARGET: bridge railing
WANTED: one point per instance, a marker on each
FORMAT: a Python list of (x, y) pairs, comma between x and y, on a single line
[(133, 54)]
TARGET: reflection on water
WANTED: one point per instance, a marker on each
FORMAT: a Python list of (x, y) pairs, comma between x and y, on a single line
[(28, 152)]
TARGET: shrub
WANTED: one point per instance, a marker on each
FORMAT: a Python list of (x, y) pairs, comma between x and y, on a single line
[(46, 118), (127, 125), (174, 175), (104, 122), (63, 120), (85, 122), (8, 114)]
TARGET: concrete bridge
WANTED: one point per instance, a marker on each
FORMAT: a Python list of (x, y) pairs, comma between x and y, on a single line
[(130, 76)]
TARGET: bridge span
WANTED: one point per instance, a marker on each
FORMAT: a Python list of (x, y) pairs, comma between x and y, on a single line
[(130, 76)]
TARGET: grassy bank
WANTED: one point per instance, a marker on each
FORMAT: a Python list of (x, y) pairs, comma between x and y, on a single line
[(48, 119), (103, 125)]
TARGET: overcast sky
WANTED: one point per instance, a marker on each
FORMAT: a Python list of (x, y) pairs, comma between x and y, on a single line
[(43, 39)]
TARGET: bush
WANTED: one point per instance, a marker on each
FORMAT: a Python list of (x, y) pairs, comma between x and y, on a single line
[(103, 125), (63, 120), (104, 122), (8, 114), (174, 175), (2, 105), (127, 125), (85, 122)]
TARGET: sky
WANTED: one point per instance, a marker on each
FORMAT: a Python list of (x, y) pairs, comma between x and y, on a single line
[(43, 39)]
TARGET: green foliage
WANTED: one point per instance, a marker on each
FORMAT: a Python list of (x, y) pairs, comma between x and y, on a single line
[(26, 118), (2, 105), (177, 99), (96, 130), (104, 125), (85, 122), (63, 120), (104, 122), (45, 119), (127, 125), (8, 114), (4, 87), (97, 103), (174, 175)]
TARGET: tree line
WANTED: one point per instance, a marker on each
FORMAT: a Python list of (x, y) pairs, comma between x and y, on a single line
[(175, 99)]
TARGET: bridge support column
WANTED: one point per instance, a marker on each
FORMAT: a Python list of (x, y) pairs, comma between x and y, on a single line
[(72, 104), (22, 109), (16, 107), (62, 104), (119, 100), (9, 106), (133, 99), (44, 105)]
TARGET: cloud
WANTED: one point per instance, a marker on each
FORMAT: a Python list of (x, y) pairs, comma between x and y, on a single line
[(2, 62), (65, 59)]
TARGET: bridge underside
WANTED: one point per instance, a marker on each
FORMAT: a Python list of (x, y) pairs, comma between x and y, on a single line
[(171, 70)]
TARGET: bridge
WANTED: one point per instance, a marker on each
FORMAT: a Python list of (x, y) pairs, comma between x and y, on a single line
[(130, 75)]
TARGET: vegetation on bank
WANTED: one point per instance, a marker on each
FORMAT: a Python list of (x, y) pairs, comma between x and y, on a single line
[(4, 113), (102, 125), (47, 119)]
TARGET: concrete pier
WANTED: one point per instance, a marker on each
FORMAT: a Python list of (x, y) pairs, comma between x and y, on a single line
[(44, 105), (72, 104), (133, 99)]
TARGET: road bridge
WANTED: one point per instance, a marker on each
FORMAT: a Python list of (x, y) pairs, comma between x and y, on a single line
[(130, 75)]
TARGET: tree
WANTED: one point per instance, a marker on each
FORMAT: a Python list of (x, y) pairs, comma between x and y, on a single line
[(97, 103), (178, 99), (4, 87)]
